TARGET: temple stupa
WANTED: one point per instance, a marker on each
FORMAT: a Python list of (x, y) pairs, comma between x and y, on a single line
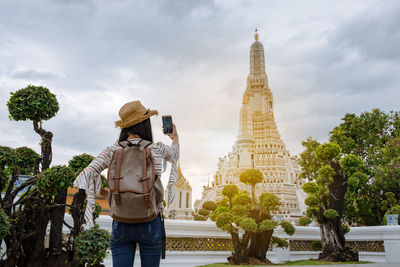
[(259, 146)]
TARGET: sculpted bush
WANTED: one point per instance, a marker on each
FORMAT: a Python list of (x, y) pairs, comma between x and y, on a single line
[(243, 212)]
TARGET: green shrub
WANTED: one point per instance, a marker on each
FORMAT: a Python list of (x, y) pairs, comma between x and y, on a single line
[(203, 212), (4, 224), (268, 225), (304, 221), (79, 162), (55, 178), (199, 218), (96, 212), (394, 210), (91, 246), (279, 242), (345, 228), (209, 205), (288, 227), (27, 158), (248, 224), (316, 245), (331, 213)]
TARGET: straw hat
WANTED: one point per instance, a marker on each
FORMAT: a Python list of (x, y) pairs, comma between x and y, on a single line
[(132, 113)]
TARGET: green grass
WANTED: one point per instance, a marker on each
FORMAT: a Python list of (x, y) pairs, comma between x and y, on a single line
[(290, 263)]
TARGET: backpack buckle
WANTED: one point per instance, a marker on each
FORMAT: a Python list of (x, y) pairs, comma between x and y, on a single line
[(147, 200)]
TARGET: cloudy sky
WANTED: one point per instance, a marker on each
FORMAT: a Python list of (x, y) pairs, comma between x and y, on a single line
[(190, 59)]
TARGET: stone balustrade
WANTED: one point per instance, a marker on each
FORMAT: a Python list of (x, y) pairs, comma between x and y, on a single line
[(194, 243)]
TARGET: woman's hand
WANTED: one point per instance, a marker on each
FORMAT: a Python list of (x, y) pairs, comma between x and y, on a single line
[(173, 135)]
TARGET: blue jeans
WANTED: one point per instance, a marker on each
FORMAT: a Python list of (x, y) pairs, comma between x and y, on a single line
[(125, 236)]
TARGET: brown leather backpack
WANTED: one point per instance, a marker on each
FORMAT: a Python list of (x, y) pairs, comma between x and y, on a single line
[(136, 192)]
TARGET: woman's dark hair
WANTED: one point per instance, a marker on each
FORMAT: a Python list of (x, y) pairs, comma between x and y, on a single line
[(143, 129)]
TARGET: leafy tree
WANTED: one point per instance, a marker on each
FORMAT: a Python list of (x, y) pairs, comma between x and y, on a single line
[(329, 173), (44, 198), (35, 103), (374, 137), (240, 212)]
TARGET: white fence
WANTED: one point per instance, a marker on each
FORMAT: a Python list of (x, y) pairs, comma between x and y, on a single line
[(390, 235)]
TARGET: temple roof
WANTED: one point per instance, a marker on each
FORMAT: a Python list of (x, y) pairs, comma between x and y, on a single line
[(182, 182), (257, 61)]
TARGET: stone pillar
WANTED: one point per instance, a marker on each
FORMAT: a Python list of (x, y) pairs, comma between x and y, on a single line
[(391, 240)]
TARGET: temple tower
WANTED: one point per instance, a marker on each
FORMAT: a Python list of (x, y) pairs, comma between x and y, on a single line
[(181, 206), (259, 145)]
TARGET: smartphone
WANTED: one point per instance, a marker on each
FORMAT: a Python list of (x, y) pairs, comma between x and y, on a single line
[(167, 123)]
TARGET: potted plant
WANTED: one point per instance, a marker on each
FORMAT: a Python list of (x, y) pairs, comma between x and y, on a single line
[(392, 208)]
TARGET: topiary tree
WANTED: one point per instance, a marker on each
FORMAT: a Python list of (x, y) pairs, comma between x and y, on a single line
[(229, 191), (253, 217), (205, 211), (91, 246), (38, 104), (209, 205), (252, 177), (44, 198), (329, 173)]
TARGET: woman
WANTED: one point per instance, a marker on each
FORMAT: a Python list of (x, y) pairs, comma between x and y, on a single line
[(135, 127)]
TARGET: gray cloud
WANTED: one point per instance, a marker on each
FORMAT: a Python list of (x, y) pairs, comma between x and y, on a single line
[(34, 75), (190, 59)]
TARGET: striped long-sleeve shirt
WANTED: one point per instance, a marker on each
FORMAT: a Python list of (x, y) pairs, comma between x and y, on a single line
[(89, 179)]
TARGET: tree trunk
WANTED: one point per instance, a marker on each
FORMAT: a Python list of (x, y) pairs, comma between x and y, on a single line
[(240, 254), (37, 215), (77, 211), (45, 144), (57, 220), (259, 242), (259, 245), (334, 243), (332, 237), (253, 193)]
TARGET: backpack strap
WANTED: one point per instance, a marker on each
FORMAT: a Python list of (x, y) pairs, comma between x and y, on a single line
[(117, 176), (144, 179), (144, 144)]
